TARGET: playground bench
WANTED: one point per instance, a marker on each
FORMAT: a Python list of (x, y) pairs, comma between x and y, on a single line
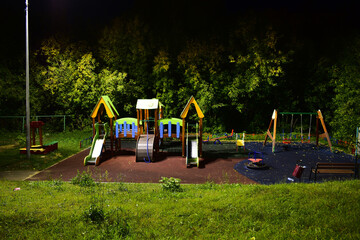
[(333, 168)]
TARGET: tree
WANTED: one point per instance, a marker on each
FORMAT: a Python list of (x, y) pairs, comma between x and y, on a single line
[(346, 80), (126, 46), (69, 75), (257, 68), (12, 93), (200, 64), (165, 87)]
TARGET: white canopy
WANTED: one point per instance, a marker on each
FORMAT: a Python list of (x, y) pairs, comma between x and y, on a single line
[(147, 104)]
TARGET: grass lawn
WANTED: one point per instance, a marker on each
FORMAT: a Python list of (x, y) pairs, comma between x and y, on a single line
[(11, 159), (61, 210)]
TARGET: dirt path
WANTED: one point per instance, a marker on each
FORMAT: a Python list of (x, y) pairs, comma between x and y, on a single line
[(18, 175)]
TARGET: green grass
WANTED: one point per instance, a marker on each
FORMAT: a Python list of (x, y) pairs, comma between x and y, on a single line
[(59, 210), (11, 159)]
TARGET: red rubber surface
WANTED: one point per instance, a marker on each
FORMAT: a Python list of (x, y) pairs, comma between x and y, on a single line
[(122, 167)]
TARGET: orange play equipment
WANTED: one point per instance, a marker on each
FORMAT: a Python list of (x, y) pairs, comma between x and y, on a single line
[(40, 148), (217, 139)]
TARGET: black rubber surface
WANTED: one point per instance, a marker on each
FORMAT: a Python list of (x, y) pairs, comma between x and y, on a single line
[(282, 163)]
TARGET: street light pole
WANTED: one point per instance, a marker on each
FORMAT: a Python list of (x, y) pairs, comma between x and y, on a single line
[(27, 82)]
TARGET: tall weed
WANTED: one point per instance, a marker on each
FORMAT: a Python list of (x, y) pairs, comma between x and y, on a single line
[(83, 179)]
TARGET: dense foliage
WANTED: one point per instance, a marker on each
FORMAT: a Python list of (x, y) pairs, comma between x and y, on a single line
[(239, 67)]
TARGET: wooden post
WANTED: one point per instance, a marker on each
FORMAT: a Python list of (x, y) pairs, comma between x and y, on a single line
[(200, 140), (274, 133), (115, 140), (155, 122), (268, 133), (40, 135), (156, 132), (99, 119), (99, 114), (146, 117), (138, 121), (183, 137), (111, 135), (119, 144), (93, 127), (33, 135), (161, 113), (317, 130), (324, 128)]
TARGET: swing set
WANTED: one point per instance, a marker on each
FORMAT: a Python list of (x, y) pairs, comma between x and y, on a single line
[(291, 137)]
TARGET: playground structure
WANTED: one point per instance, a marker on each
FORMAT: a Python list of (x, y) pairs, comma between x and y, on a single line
[(148, 139), (106, 104), (148, 129), (193, 142), (274, 122), (126, 128), (170, 122), (40, 148), (97, 144), (99, 138)]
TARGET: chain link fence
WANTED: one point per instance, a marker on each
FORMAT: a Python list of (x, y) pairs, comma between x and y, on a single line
[(53, 123)]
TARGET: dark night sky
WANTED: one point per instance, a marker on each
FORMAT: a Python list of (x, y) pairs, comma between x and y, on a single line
[(82, 17)]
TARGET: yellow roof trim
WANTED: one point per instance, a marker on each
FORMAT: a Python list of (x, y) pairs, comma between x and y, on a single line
[(109, 108), (187, 107)]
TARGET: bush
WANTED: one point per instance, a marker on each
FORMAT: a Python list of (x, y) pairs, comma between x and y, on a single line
[(21, 140), (170, 184)]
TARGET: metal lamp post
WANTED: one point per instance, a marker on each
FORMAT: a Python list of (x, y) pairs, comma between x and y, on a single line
[(27, 81)]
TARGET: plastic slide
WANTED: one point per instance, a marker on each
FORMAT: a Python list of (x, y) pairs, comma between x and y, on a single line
[(192, 143), (97, 146)]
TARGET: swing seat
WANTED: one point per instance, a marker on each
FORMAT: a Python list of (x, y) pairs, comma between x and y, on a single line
[(240, 143)]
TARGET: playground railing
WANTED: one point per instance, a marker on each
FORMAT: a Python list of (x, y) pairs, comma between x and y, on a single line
[(85, 142)]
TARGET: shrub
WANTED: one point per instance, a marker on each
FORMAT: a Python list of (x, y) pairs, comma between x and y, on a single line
[(21, 139), (170, 184)]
